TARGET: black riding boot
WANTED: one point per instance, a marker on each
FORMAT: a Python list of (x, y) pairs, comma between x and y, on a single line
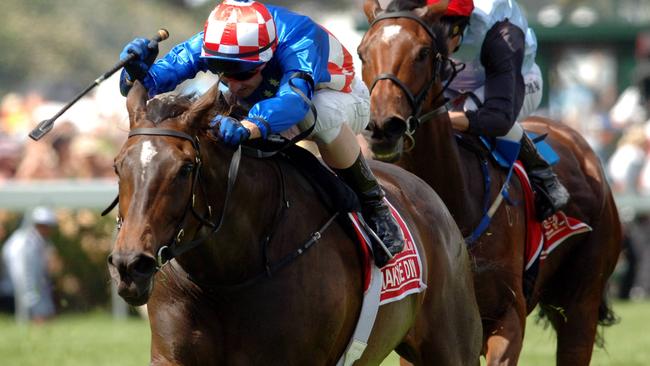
[(375, 210), (550, 194)]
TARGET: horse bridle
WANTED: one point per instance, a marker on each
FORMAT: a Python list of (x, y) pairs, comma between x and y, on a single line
[(176, 247), (414, 121)]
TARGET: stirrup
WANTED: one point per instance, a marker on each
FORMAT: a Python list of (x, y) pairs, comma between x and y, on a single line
[(380, 252)]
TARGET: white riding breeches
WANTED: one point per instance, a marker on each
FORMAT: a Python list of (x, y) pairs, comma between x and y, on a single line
[(335, 108)]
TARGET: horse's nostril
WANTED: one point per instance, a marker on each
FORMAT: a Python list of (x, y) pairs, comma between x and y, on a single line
[(132, 265), (142, 266), (395, 127)]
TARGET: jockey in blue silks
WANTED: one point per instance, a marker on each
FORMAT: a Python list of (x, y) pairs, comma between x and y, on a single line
[(278, 63)]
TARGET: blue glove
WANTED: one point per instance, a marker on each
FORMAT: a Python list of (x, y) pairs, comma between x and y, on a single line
[(231, 130), (146, 52)]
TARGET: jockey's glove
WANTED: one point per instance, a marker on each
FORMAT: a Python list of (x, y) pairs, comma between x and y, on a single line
[(230, 130), (146, 52)]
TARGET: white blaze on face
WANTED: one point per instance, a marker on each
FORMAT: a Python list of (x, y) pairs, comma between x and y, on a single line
[(390, 32), (146, 154)]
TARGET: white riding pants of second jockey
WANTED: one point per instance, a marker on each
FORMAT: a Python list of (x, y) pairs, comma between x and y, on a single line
[(335, 108), (533, 89)]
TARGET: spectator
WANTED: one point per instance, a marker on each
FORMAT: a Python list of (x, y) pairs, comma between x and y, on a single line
[(625, 165), (26, 255), (638, 231), (6, 291), (633, 105)]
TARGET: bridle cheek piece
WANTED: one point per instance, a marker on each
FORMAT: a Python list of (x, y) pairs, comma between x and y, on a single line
[(176, 247), (415, 101)]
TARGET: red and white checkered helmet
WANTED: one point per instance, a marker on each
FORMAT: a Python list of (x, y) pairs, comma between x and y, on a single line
[(241, 31)]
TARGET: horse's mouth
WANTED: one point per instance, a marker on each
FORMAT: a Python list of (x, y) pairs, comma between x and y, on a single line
[(134, 294), (385, 151)]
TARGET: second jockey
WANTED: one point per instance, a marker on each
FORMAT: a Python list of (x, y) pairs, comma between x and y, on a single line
[(493, 40)]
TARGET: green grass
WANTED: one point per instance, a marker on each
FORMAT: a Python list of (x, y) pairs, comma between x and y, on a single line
[(75, 340), (95, 339)]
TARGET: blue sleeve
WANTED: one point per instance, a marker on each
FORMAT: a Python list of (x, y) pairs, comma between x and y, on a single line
[(302, 51), (181, 63), (287, 107)]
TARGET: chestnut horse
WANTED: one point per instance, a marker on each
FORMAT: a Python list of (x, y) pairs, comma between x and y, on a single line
[(262, 273), (403, 55)]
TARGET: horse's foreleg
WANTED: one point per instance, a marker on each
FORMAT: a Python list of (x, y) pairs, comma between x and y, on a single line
[(505, 339)]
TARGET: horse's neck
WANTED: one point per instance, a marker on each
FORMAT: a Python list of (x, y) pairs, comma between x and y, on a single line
[(234, 252), (437, 160)]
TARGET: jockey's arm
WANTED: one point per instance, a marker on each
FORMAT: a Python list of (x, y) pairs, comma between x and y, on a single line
[(282, 111), (502, 56), (181, 63)]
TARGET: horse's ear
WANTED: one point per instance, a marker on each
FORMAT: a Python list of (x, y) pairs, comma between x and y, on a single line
[(432, 13), (372, 9), (136, 102), (198, 110)]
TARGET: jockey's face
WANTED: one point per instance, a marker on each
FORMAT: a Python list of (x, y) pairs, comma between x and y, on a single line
[(453, 43), (244, 88)]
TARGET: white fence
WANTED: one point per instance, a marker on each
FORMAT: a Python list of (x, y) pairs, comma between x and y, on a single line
[(21, 195), (99, 193)]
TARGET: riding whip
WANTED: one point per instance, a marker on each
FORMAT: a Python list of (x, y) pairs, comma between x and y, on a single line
[(45, 126)]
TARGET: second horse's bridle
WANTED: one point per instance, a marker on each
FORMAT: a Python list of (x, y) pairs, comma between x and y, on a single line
[(416, 101)]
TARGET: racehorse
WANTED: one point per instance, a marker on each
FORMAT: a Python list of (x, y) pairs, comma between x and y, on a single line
[(262, 273), (404, 56)]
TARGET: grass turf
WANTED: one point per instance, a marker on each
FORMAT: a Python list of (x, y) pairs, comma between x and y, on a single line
[(95, 339)]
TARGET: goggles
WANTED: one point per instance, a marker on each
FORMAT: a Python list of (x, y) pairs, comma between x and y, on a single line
[(232, 70), (239, 76)]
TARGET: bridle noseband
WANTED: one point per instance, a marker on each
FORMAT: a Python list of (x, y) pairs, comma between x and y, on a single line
[(175, 248), (414, 121)]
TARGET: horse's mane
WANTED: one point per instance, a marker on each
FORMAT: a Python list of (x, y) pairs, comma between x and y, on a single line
[(169, 106), (404, 5)]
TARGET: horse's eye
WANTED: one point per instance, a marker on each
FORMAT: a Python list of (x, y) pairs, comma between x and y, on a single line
[(186, 170), (115, 170), (424, 54), (361, 57)]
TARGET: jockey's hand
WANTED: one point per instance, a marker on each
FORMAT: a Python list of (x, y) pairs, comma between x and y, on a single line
[(230, 130), (146, 53)]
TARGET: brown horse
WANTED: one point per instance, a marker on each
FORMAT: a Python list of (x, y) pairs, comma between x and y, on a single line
[(403, 54), (263, 274)]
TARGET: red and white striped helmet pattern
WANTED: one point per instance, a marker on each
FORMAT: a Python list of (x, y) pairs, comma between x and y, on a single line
[(242, 30)]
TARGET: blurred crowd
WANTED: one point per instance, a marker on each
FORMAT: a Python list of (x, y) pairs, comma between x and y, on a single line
[(82, 143), (628, 169)]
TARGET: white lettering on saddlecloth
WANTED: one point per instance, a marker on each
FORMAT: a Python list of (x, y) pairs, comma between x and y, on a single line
[(400, 273)]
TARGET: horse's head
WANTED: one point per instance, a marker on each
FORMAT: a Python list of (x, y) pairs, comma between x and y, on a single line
[(157, 168), (403, 55)]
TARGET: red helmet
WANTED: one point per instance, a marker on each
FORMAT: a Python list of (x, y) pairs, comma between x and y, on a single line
[(457, 8), (239, 32)]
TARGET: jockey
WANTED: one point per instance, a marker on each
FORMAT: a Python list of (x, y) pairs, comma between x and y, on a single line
[(492, 39), (279, 64)]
